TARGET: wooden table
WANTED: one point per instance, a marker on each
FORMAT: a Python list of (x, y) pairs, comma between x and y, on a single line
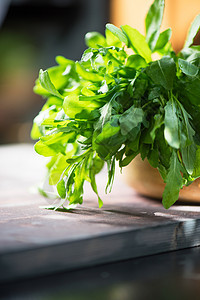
[(35, 241)]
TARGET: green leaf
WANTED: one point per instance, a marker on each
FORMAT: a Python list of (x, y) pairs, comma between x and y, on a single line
[(87, 55), (153, 22), (78, 158), (195, 26), (171, 131), (163, 149), (46, 83), (187, 67), (45, 150), (187, 52), (88, 75), (105, 116), (190, 90), (163, 72), (130, 119), (189, 155), (59, 137), (139, 87), (163, 171), (73, 106), (134, 138), (137, 42), (127, 160), (112, 40), (61, 60), (174, 182), (196, 171), (163, 39), (157, 124), (111, 174), (94, 187), (95, 39), (144, 150), (61, 189), (118, 33), (54, 143), (35, 132), (136, 61), (188, 147), (194, 59), (76, 196), (95, 166), (59, 75), (109, 140), (153, 158), (57, 169)]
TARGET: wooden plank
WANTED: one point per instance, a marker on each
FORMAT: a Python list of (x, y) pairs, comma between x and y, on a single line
[(35, 241)]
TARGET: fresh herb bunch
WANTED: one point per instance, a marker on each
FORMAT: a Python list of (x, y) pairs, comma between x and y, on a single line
[(112, 106)]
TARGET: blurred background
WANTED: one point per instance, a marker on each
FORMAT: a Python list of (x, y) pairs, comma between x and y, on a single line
[(33, 32)]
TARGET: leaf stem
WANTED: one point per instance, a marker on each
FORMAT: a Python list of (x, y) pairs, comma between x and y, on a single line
[(162, 100)]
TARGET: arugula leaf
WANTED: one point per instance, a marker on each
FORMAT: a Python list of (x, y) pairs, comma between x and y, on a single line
[(153, 22), (187, 67), (96, 165), (190, 89), (171, 130), (137, 42), (144, 150), (163, 72), (61, 189), (174, 182), (45, 150), (111, 173), (188, 147), (196, 170), (194, 59), (130, 119), (158, 123), (46, 83), (112, 39), (91, 76), (106, 112), (73, 106), (118, 33), (109, 140), (57, 168), (153, 158), (95, 39), (195, 26), (164, 152), (189, 156), (136, 61), (163, 39)]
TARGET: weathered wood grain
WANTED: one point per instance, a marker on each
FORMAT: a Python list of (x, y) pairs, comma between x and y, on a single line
[(35, 241)]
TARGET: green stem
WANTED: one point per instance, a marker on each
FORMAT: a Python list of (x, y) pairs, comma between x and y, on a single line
[(162, 100)]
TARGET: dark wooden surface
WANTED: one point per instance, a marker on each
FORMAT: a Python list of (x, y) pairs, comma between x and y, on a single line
[(173, 275), (35, 241)]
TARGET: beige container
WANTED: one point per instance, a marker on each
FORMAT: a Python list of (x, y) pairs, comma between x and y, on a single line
[(147, 181)]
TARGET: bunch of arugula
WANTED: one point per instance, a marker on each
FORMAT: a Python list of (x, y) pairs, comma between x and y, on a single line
[(112, 106)]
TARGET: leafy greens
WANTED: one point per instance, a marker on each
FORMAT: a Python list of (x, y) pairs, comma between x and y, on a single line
[(112, 106)]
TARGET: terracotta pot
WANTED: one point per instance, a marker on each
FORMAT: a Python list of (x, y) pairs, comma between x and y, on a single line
[(147, 181)]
